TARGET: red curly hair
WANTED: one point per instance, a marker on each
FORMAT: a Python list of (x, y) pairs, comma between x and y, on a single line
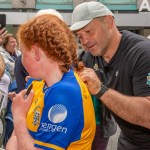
[(53, 36)]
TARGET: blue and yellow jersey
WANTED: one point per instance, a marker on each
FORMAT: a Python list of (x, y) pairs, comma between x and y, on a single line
[(62, 116)]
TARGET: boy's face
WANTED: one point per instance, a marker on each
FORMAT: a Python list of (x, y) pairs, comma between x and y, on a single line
[(29, 61)]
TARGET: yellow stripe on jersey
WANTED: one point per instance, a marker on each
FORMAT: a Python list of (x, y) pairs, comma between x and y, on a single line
[(35, 111), (88, 132), (48, 145)]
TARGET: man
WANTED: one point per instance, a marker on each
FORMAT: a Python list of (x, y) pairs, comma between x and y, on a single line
[(106, 126), (123, 66)]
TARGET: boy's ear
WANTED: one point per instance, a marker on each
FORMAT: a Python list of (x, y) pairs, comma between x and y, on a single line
[(36, 52)]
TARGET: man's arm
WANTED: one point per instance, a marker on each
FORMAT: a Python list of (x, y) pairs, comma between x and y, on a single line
[(135, 110)]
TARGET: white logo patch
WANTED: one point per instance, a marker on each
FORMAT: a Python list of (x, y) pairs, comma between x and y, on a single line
[(116, 73), (57, 113)]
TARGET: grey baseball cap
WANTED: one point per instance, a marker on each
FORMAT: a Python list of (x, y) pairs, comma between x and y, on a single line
[(85, 12)]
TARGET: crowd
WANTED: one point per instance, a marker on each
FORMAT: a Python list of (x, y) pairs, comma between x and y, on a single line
[(76, 102)]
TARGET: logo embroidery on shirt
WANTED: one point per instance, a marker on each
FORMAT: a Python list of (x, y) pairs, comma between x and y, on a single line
[(148, 79), (57, 113), (96, 68), (37, 116), (116, 73)]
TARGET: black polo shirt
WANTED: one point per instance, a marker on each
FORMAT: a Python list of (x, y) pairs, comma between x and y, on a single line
[(129, 73)]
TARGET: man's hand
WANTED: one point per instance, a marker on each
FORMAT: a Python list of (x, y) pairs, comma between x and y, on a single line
[(90, 78)]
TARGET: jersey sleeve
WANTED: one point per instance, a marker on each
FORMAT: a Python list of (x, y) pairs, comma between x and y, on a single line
[(62, 115)]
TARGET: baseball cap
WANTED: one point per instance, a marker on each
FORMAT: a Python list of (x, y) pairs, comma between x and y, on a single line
[(49, 11), (85, 12)]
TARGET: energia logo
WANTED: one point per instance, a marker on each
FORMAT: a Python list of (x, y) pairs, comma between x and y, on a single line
[(57, 113), (148, 79)]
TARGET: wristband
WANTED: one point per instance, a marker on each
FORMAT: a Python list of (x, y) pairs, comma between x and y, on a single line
[(101, 92)]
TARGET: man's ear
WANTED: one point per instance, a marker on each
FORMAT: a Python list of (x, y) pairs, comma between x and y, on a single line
[(36, 52), (110, 21)]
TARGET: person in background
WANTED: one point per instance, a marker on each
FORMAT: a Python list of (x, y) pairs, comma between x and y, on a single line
[(4, 84), (4, 76), (9, 53), (20, 74), (4, 80), (50, 11), (121, 61), (56, 113)]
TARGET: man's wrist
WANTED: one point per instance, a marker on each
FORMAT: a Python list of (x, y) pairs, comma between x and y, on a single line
[(102, 90)]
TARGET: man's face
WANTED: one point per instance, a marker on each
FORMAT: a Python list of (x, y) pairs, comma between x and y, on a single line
[(11, 45), (94, 37)]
